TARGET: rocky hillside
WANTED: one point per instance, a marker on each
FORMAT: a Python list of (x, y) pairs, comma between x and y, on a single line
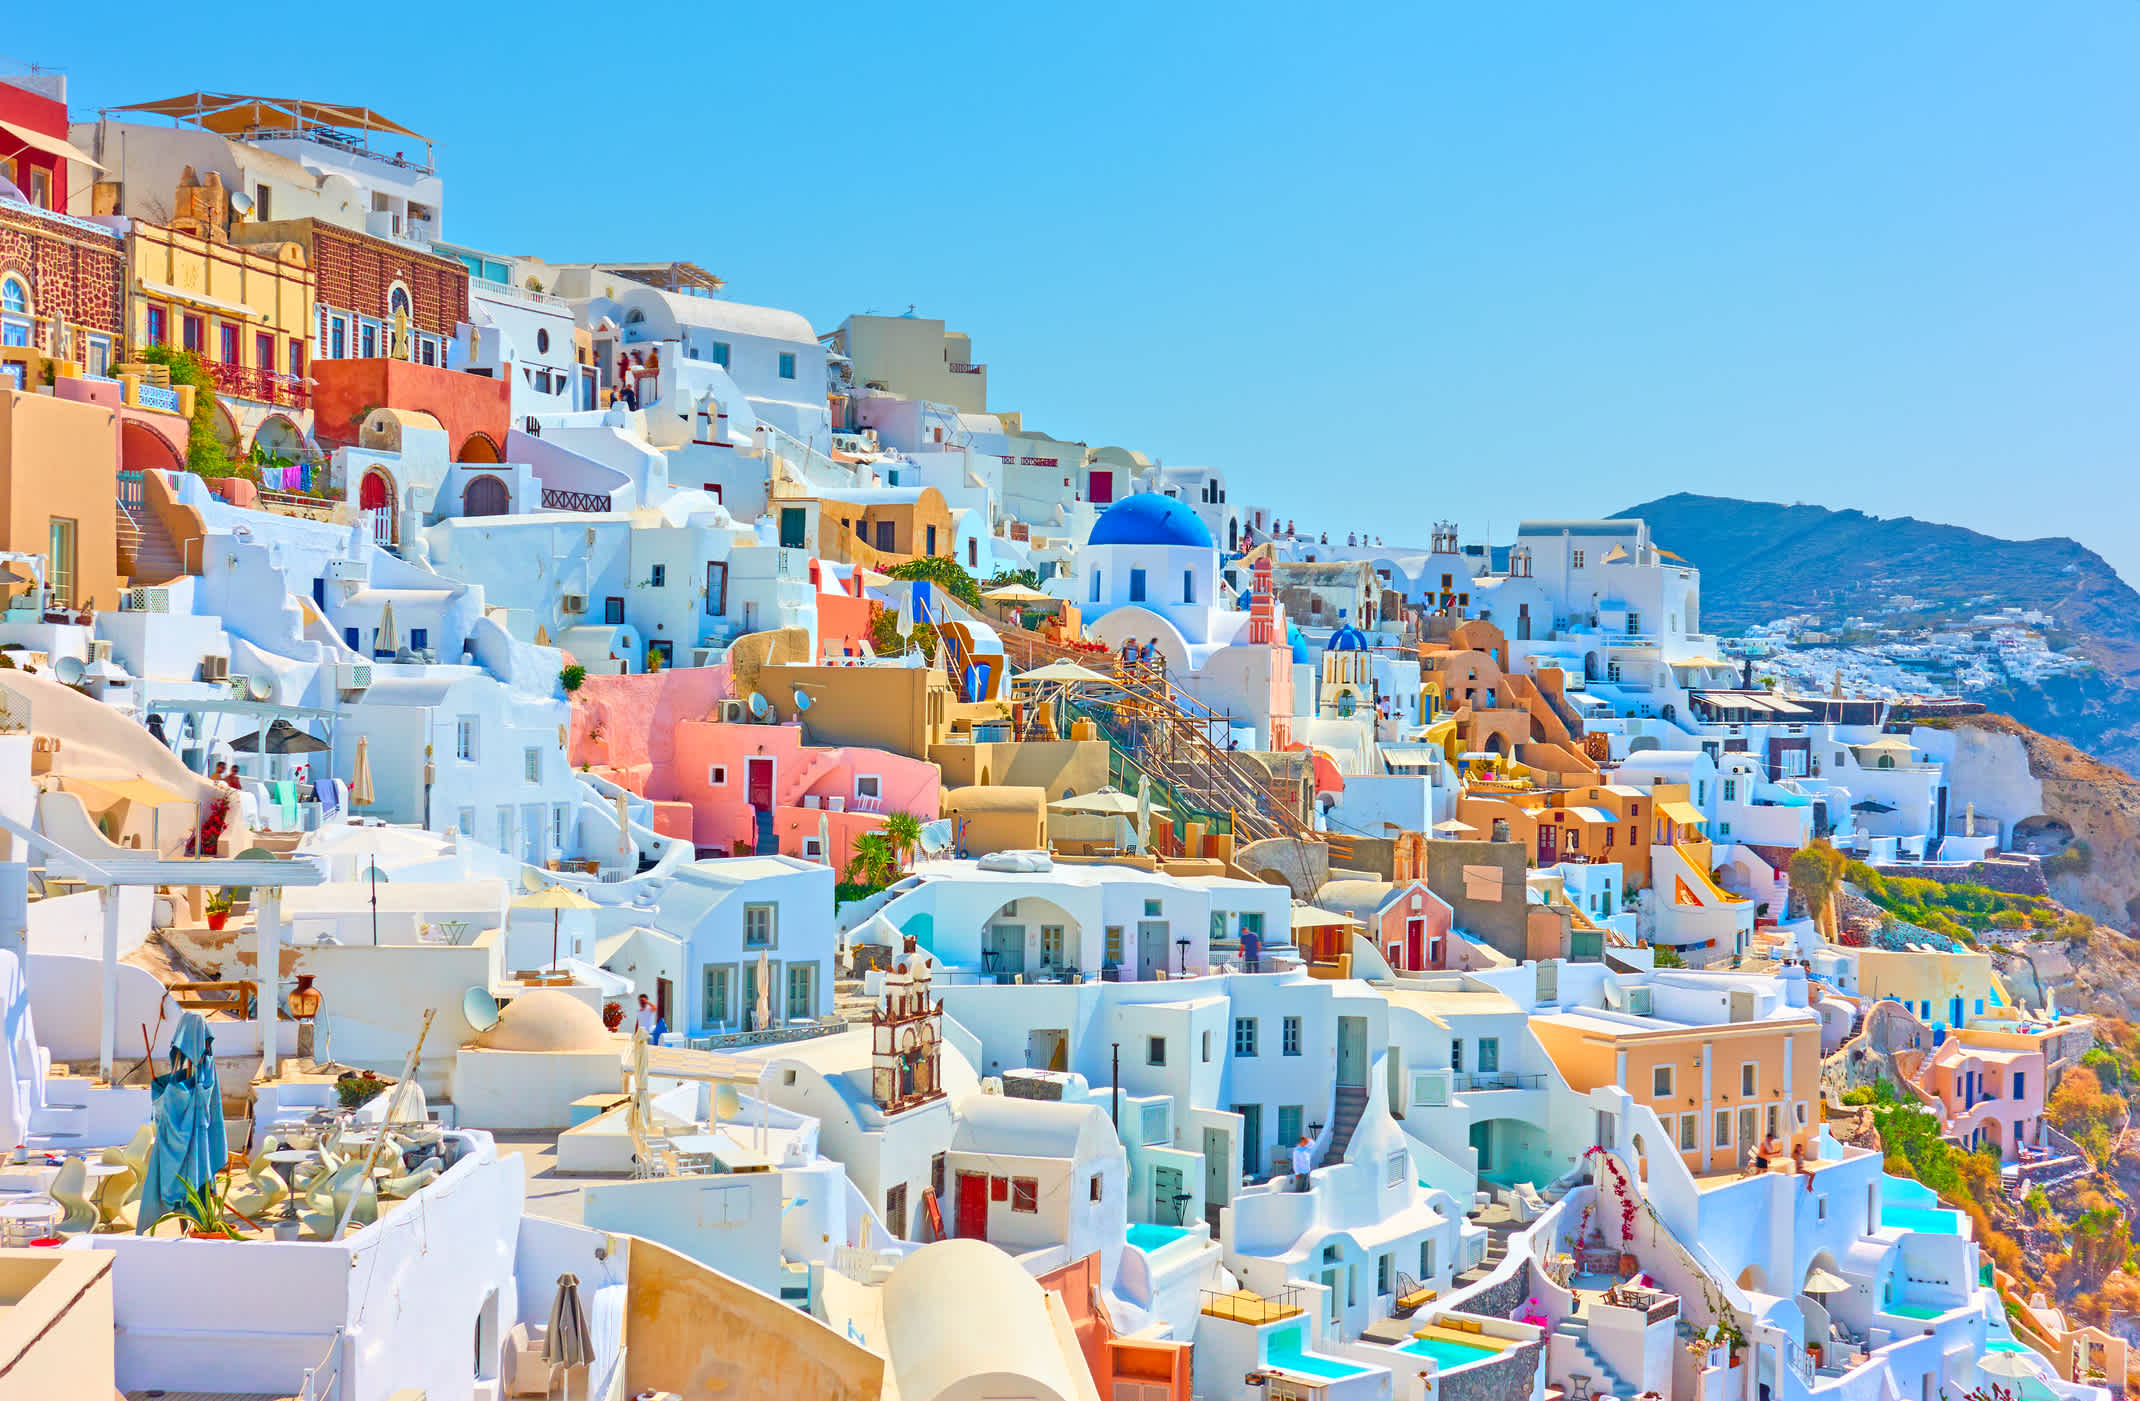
[(1762, 560), (2101, 803)]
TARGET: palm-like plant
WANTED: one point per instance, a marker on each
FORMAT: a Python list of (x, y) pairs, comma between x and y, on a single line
[(874, 862), (903, 831)]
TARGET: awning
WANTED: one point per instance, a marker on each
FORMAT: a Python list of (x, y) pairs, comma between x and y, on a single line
[(50, 145), (199, 299), (231, 114), (1685, 814), (1590, 814)]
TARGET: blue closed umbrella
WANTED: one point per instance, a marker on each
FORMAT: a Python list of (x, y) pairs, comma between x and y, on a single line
[(190, 1144)]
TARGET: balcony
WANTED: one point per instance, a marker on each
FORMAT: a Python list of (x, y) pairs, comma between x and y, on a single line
[(261, 386), (1497, 1080), (1630, 641), (555, 500)]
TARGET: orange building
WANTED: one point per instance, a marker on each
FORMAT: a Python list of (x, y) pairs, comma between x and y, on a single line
[(59, 467)]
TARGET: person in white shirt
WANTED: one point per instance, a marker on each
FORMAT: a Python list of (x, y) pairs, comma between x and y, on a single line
[(1303, 1162), (649, 1016)]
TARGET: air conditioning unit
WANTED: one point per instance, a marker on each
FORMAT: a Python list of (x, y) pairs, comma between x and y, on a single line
[(573, 603), (353, 676), (240, 686), (100, 649), (1430, 1087), (215, 668), (735, 712), (148, 600), (1638, 1001)]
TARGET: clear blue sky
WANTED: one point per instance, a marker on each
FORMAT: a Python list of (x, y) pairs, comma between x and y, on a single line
[(1383, 265)]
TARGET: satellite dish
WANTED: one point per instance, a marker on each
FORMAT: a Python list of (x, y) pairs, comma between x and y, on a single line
[(374, 874), (802, 702), (241, 202), (530, 882), (758, 707), (260, 687), (479, 1008), (727, 1103), (69, 671)]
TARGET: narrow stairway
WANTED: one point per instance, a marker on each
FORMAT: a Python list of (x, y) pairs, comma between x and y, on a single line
[(146, 554), (768, 840), (1604, 1381), (1351, 1104)]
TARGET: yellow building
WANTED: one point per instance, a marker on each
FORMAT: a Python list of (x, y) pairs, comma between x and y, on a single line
[(246, 310)]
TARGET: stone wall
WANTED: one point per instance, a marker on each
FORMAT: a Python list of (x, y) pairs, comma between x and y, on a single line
[(2009, 875), (1510, 1377)]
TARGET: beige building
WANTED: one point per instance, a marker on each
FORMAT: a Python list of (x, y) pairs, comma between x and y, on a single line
[(57, 1327), (913, 357), (59, 465)]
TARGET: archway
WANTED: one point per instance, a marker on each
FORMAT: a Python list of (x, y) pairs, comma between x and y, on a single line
[(1497, 743), (1033, 937), (142, 447), (226, 427), (1642, 1158), (485, 496), (279, 435), (1590, 666), (2040, 835), (375, 492), (479, 448), (1642, 742), (1754, 1279)]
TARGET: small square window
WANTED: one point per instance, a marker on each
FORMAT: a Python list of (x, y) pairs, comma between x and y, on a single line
[(1661, 1082), (1289, 1036), (1244, 1036), (1151, 909), (718, 775), (1025, 1191), (999, 1189), (1092, 1188), (1155, 1050), (787, 364), (659, 576), (868, 785)]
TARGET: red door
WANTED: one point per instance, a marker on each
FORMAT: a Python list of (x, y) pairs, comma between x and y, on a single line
[(1102, 488), (1415, 939), (973, 1206), (1546, 838), (372, 493), (759, 772)]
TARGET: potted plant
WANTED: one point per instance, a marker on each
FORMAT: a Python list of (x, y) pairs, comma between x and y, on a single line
[(207, 1216), (357, 1087), (218, 909)]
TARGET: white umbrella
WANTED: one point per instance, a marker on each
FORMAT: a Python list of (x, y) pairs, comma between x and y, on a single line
[(1144, 813), (624, 824), (1060, 672), (1819, 1281), (640, 1118), (765, 991), (2010, 1364), (383, 640), (824, 838)]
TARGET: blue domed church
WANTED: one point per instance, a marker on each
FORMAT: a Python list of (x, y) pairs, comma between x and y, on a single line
[(1150, 569)]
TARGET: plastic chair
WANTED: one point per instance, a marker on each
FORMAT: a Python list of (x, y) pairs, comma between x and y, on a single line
[(409, 1184), (268, 1190), (69, 1189), (345, 1185)]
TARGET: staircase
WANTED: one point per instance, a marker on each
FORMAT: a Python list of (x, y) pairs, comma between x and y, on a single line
[(1496, 1249), (146, 554), (768, 843), (56, 1127), (1604, 1381), (1351, 1104), (849, 1003)]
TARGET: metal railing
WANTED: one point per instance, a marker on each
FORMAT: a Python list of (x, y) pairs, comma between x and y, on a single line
[(1497, 1080), (155, 396), (556, 500), (261, 386)]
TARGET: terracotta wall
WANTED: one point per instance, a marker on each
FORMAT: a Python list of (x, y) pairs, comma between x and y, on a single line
[(464, 405)]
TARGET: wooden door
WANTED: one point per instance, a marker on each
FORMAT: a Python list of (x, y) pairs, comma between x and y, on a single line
[(1352, 1052), (1546, 854), (759, 783), (973, 1206)]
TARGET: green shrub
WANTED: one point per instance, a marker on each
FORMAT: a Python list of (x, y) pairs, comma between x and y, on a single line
[(572, 677), (206, 455)]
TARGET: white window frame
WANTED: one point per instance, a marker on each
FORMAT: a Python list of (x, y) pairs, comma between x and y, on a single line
[(875, 784), (531, 765), (464, 738), (771, 911), (717, 775), (1661, 1088)]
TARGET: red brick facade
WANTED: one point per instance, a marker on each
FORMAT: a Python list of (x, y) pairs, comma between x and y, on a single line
[(356, 271), (76, 272)]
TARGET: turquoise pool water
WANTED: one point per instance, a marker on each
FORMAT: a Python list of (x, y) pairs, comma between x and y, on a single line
[(1447, 1355), (1148, 1237), (2007, 1345), (1284, 1351), (1911, 1206), (1918, 1311)]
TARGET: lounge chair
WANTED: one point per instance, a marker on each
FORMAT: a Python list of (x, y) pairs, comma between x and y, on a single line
[(334, 1198), (268, 1190), (409, 1184)]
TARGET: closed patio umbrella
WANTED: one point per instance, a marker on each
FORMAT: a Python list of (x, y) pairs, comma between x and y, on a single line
[(383, 638), (624, 824), (1819, 1281), (565, 1342), (765, 991), (187, 1107), (360, 779)]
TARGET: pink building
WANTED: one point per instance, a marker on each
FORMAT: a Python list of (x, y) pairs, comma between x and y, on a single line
[(1408, 922), (1990, 1087), (745, 782)]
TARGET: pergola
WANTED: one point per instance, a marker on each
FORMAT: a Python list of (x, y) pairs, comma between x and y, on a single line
[(238, 114)]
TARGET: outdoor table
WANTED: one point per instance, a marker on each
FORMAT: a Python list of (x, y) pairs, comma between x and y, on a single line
[(28, 1219)]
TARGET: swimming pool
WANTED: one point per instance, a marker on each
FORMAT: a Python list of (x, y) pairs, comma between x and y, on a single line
[(1916, 1311), (1909, 1205), (1284, 1351), (1148, 1237), (1448, 1355)]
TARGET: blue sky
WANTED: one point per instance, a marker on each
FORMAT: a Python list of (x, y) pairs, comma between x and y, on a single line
[(1382, 264)]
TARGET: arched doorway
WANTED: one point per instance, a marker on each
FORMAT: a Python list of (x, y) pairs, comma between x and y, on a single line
[(226, 428), (485, 496), (479, 448), (375, 497)]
